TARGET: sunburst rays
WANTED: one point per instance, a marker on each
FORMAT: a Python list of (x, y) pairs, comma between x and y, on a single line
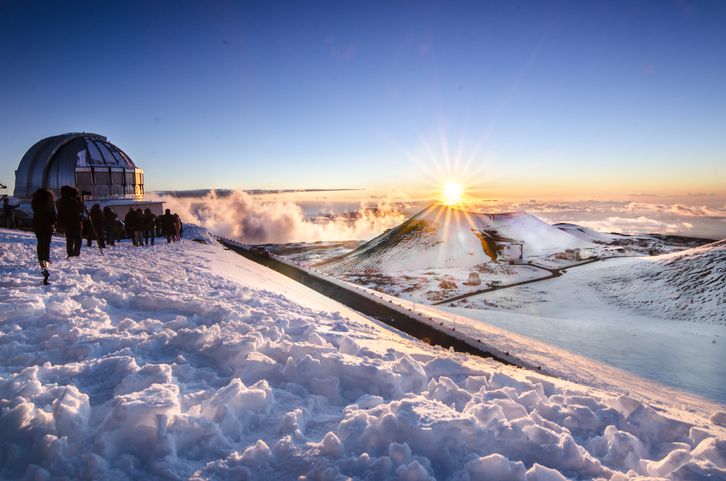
[(452, 193)]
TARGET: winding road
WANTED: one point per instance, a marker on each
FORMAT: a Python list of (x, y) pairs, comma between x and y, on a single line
[(554, 272)]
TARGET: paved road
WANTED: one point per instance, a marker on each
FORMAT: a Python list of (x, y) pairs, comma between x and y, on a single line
[(554, 272)]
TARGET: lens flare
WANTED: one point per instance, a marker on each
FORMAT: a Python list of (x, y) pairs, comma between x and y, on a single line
[(452, 193)]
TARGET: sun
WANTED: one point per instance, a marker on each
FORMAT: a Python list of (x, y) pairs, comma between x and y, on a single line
[(452, 193)]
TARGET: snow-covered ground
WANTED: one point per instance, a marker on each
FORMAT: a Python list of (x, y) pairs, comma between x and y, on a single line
[(658, 312), (431, 256), (448, 237), (659, 317), (432, 285), (584, 355), (689, 285), (187, 361)]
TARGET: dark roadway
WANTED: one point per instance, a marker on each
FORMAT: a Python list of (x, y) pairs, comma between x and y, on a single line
[(365, 305)]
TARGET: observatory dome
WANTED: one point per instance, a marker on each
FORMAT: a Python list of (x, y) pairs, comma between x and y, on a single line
[(84, 160)]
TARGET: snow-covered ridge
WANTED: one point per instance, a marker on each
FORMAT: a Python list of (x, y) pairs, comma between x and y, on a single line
[(584, 233), (186, 361), (688, 285), (448, 237)]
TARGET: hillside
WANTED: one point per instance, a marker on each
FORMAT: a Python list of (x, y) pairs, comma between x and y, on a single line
[(448, 237), (585, 233), (186, 361), (688, 285)]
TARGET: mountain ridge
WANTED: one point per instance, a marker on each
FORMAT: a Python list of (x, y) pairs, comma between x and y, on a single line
[(441, 236)]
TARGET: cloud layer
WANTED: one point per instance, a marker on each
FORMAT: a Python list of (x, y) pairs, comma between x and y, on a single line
[(635, 225), (627, 217), (260, 219), (252, 220)]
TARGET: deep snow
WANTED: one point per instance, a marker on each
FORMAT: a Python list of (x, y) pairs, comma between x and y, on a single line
[(689, 285), (657, 316), (186, 361), (661, 317)]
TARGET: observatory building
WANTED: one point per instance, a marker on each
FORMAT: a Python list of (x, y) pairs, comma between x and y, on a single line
[(88, 162)]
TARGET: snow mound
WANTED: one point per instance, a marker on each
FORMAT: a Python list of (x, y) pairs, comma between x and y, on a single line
[(447, 237), (198, 234), (539, 237), (688, 285), (186, 361)]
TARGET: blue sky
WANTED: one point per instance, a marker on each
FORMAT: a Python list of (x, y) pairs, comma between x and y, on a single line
[(545, 98)]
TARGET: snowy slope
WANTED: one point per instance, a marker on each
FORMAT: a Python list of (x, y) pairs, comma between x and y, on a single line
[(186, 361), (688, 285), (539, 237), (447, 237), (585, 233)]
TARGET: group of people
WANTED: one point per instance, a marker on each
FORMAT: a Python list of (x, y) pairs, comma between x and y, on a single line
[(144, 226), (69, 213)]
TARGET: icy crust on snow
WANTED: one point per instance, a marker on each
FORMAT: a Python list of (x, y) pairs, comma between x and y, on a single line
[(688, 285), (149, 364)]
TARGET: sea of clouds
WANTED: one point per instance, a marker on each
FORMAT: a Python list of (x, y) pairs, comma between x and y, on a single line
[(702, 217), (259, 219)]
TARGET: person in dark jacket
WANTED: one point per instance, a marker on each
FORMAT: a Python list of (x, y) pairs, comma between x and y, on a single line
[(118, 230), (139, 230), (167, 225), (157, 225), (177, 228), (130, 222), (109, 226), (149, 223), (8, 212), (70, 218), (43, 225), (95, 231)]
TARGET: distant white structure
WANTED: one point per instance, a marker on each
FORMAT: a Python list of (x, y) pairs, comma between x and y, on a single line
[(570, 255), (474, 279), (511, 250)]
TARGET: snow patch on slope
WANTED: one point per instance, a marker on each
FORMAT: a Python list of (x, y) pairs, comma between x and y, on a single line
[(585, 233), (185, 361), (688, 285)]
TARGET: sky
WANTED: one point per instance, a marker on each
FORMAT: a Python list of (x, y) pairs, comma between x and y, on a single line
[(519, 99)]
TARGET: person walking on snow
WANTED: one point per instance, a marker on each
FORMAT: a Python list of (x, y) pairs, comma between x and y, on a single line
[(149, 223), (158, 227), (109, 226), (130, 223), (44, 219), (167, 225), (139, 228), (70, 218), (8, 212), (95, 231), (177, 228)]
